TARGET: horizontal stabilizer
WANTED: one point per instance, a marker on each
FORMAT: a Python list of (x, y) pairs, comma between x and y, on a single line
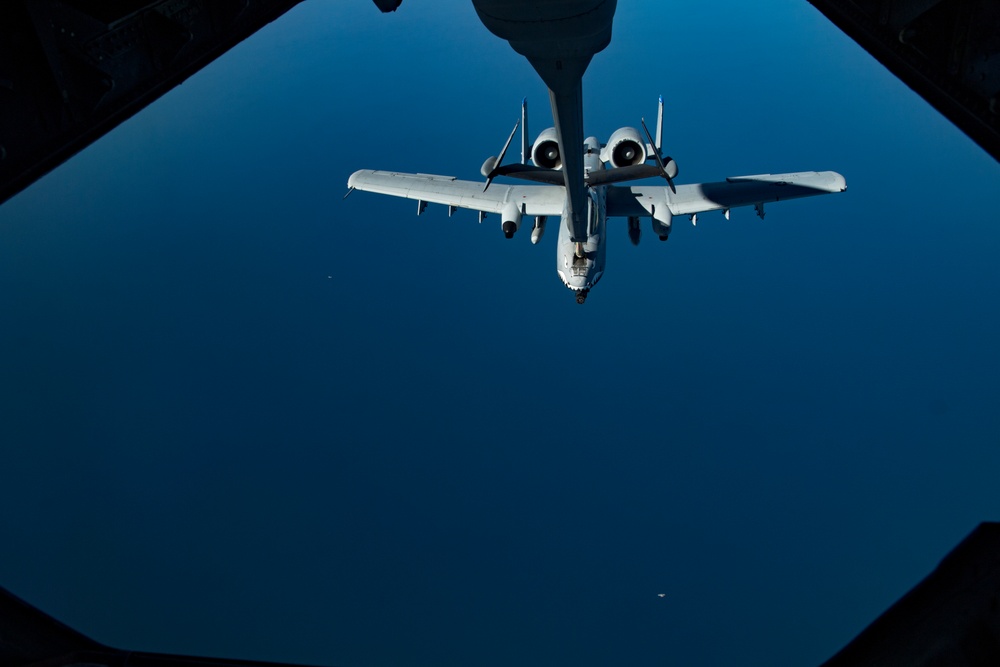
[(537, 174), (530, 172), (622, 174)]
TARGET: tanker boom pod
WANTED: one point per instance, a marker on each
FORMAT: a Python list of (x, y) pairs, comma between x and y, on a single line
[(538, 229)]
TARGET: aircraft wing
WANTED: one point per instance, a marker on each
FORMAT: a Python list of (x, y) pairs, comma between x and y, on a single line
[(641, 200), (447, 190)]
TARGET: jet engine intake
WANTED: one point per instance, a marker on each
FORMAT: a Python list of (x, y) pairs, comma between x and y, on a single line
[(625, 148), (545, 151)]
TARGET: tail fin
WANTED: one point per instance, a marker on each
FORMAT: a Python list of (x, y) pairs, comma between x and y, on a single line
[(659, 126), (525, 146)]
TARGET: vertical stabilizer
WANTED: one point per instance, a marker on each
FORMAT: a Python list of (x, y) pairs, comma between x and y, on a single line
[(525, 146), (659, 126)]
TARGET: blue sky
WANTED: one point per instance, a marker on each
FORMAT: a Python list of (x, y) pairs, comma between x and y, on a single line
[(243, 417)]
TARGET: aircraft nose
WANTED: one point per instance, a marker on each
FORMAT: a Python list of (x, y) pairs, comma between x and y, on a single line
[(575, 283)]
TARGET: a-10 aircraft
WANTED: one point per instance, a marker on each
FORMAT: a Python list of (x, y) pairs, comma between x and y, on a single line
[(581, 250)]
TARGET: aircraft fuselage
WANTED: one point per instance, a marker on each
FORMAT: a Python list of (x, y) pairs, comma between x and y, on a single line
[(580, 263)]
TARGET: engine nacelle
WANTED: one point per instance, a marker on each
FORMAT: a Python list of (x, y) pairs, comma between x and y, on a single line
[(625, 148), (662, 219), (545, 151), (510, 220)]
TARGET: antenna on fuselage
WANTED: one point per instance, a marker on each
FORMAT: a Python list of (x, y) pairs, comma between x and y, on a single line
[(525, 146)]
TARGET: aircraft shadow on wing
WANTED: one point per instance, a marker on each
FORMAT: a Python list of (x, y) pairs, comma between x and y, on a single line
[(581, 249)]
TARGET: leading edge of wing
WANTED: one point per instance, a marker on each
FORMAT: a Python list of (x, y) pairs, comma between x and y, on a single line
[(449, 191), (733, 192)]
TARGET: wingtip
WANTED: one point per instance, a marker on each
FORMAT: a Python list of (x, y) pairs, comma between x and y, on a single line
[(352, 179), (840, 181)]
